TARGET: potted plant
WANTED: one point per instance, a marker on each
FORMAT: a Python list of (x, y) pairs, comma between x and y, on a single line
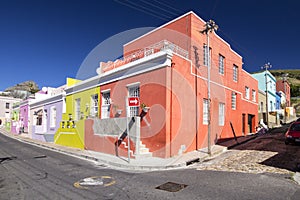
[(144, 107)]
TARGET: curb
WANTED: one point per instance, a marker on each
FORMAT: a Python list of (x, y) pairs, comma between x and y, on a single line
[(92, 158), (296, 177)]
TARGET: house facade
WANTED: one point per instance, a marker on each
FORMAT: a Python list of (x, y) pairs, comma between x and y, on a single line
[(167, 69), (6, 107), (80, 103), (284, 86), (267, 83)]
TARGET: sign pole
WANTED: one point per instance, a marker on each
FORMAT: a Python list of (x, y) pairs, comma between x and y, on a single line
[(127, 128)]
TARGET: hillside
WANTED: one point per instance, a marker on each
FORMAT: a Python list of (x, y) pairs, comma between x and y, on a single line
[(293, 79), (21, 90)]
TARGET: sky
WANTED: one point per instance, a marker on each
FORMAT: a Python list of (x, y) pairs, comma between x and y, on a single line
[(49, 40)]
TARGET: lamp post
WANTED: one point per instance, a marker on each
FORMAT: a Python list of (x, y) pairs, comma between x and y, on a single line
[(210, 27), (266, 67)]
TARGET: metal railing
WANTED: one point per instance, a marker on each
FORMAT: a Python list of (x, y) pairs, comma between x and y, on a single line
[(163, 45)]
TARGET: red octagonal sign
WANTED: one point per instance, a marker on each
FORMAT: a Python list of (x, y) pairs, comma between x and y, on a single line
[(133, 101)]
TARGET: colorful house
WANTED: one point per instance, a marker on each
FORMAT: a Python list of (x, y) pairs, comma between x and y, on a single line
[(46, 114), (168, 70), (267, 83), (80, 103), (284, 86), (6, 107)]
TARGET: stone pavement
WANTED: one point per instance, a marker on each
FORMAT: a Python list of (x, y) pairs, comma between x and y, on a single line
[(245, 161)]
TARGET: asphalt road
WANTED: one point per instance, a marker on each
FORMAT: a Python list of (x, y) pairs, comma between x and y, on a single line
[(30, 172)]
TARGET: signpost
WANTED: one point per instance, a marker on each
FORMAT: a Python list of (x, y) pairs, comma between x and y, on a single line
[(130, 102)]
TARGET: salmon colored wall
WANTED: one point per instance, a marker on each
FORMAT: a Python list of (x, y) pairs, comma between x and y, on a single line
[(180, 100), (153, 94), (178, 32)]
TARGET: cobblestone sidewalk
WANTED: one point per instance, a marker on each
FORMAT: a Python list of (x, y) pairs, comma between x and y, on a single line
[(247, 161)]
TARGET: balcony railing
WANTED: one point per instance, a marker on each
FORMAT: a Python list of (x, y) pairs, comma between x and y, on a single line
[(157, 47)]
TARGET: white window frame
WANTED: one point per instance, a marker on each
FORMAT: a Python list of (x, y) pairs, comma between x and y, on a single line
[(133, 91), (233, 101), (205, 111), (247, 92), (77, 109), (254, 95), (235, 73), (221, 64), (94, 105), (53, 115), (221, 114), (105, 104)]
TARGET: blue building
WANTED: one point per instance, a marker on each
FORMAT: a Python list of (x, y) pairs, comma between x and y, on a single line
[(267, 83)]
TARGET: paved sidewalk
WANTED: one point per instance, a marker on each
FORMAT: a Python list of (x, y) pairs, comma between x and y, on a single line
[(151, 163)]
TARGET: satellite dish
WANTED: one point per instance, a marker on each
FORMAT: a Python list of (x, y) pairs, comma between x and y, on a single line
[(44, 89)]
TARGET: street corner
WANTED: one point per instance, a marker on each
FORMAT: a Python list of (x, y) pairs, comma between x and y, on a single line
[(296, 178)]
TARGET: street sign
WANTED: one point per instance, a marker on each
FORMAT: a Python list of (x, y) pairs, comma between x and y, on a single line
[(133, 101)]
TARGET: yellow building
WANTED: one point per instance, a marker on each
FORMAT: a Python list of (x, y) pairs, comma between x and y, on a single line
[(80, 103)]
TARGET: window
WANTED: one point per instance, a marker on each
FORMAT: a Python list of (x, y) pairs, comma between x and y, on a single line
[(271, 104), (205, 55), (7, 105), (53, 117), (235, 73), (205, 111), (77, 109), (221, 64), (134, 91), (247, 92), (254, 95), (233, 100), (221, 114), (261, 107), (94, 106), (105, 106)]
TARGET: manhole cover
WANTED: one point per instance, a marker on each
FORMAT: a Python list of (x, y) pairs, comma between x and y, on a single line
[(171, 187)]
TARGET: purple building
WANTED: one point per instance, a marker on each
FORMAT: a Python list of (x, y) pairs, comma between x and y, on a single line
[(46, 115)]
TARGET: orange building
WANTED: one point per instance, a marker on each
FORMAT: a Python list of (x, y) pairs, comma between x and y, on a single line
[(168, 70)]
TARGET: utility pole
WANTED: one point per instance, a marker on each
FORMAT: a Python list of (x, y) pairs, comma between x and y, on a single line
[(266, 67), (284, 80), (210, 27)]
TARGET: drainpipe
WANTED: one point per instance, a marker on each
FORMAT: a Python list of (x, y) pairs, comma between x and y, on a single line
[(171, 107)]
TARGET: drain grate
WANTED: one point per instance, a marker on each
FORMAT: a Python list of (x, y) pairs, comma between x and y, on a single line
[(171, 187)]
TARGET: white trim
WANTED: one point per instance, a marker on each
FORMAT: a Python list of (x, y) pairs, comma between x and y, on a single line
[(168, 55), (133, 84), (104, 91)]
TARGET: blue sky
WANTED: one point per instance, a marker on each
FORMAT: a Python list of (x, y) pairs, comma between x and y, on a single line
[(47, 41)]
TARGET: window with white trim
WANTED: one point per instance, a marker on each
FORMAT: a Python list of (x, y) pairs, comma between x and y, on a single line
[(247, 92), (235, 73), (105, 106), (77, 109), (254, 95), (53, 117), (233, 101), (134, 91), (205, 111), (221, 64), (94, 105), (7, 105), (221, 114)]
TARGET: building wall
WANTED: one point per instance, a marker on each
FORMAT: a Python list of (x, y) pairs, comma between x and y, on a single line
[(285, 88), (69, 135), (51, 129), (6, 112)]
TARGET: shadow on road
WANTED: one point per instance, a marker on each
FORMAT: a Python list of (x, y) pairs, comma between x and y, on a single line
[(287, 157)]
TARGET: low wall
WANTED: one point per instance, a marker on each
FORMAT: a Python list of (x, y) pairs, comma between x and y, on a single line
[(102, 135)]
